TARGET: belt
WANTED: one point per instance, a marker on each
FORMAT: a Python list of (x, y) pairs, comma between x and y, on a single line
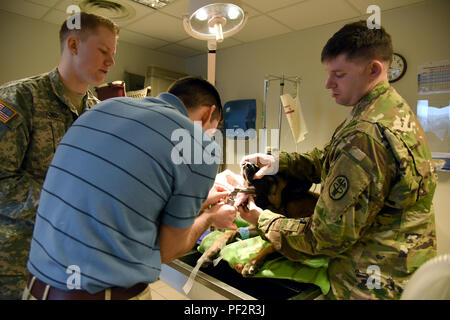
[(38, 291)]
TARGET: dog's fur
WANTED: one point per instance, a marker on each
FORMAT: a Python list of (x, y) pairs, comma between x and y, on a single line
[(281, 194)]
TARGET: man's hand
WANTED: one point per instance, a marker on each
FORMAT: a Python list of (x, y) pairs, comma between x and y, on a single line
[(222, 216), (224, 184), (267, 163), (215, 195), (251, 212)]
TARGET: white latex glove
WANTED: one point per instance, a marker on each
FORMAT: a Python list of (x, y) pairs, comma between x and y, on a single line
[(268, 164)]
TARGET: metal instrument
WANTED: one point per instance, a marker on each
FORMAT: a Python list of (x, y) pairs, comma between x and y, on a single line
[(233, 194)]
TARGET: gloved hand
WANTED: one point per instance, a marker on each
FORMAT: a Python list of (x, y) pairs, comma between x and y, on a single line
[(268, 164)]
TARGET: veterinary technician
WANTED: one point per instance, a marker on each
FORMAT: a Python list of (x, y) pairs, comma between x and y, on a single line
[(374, 216), (120, 198), (34, 115)]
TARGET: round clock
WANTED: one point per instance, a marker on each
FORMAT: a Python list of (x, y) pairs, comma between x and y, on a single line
[(397, 68)]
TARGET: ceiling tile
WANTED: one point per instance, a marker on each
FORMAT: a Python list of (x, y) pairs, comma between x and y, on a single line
[(140, 39), (199, 45), (24, 8), (64, 4), (228, 42), (268, 5), (252, 12), (202, 46), (180, 51), (260, 27), (310, 13), (160, 26), (139, 11), (383, 4), (46, 3), (55, 16), (177, 8)]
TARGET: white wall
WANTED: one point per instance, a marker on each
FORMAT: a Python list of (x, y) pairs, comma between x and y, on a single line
[(419, 33), (31, 47)]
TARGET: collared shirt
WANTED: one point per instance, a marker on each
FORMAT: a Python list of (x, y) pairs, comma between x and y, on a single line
[(374, 215), (134, 164)]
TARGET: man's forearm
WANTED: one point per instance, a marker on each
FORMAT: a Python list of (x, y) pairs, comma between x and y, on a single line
[(201, 224)]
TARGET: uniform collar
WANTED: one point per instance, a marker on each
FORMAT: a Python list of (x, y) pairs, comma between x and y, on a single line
[(57, 85), (173, 101), (89, 99), (365, 101)]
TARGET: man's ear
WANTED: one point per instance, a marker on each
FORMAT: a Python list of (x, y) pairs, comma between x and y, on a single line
[(207, 114), (73, 43), (376, 68)]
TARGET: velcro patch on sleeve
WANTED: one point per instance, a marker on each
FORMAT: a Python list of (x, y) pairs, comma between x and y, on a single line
[(344, 184), (6, 112)]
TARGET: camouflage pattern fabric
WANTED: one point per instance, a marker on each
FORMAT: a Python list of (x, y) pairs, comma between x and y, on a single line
[(39, 116), (374, 217), (309, 269)]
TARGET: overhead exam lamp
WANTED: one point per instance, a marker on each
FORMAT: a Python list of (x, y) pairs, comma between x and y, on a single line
[(213, 21)]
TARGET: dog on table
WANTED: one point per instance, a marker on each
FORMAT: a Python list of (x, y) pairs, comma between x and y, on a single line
[(279, 193)]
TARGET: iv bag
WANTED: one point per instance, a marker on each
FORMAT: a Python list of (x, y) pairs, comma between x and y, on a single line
[(293, 110)]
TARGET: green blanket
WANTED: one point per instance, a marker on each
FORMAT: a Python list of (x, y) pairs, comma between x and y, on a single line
[(311, 269)]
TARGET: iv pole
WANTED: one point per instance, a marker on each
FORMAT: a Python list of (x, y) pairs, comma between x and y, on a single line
[(267, 80)]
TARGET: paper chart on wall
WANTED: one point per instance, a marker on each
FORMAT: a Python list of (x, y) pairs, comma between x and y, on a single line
[(434, 77)]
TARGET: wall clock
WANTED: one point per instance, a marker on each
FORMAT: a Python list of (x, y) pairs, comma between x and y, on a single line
[(397, 68)]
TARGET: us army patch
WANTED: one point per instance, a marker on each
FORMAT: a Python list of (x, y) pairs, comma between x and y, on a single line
[(338, 188), (6, 112)]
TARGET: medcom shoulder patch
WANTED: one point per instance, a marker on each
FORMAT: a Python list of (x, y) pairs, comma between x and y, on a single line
[(6, 112), (338, 188)]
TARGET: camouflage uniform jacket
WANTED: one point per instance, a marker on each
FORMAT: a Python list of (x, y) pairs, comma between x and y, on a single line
[(374, 216), (39, 116)]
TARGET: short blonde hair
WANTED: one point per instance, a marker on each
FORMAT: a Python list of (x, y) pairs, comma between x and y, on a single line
[(88, 24)]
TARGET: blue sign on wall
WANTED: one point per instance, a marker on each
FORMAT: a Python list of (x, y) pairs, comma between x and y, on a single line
[(240, 119)]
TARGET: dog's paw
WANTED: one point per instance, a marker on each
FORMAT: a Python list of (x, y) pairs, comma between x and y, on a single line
[(251, 268), (238, 267)]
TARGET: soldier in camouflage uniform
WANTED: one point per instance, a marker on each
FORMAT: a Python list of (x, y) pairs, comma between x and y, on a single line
[(374, 217), (35, 113)]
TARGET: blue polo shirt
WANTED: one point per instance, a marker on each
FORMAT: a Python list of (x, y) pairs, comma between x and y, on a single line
[(123, 167)]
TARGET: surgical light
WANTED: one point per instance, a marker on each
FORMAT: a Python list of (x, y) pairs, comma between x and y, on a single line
[(201, 14), (233, 13), (213, 21)]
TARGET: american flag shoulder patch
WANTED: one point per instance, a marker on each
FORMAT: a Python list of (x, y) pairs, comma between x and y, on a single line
[(6, 112)]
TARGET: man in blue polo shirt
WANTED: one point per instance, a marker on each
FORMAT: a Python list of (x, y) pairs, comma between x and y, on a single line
[(116, 203)]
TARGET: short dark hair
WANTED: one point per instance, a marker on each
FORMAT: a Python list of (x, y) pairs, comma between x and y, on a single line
[(196, 92), (88, 24), (358, 41)]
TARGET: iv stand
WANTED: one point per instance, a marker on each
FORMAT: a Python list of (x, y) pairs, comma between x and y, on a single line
[(267, 80)]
